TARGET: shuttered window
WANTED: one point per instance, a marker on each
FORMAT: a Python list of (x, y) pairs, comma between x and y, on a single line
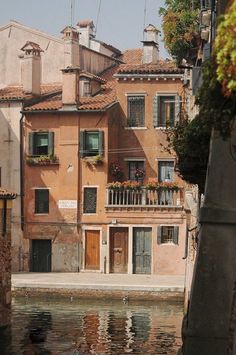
[(166, 110), (168, 234), (91, 143), (136, 111), (41, 143)]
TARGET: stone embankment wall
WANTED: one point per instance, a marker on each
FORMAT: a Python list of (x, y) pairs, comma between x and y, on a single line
[(5, 265)]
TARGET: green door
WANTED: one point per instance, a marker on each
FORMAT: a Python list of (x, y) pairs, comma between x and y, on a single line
[(142, 246), (41, 255)]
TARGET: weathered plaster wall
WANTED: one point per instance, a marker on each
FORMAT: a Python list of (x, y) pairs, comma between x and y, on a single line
[(10, 177)]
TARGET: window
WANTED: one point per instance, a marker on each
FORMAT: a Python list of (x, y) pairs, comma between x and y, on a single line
[(41, 143), (90, 199), (41, 201), (91, 143), (166, 110), (85, 88), (136, 109), (165, 170), (168, 234), (136, 170)]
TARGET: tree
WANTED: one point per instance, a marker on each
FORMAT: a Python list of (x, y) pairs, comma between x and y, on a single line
[(180, 26)]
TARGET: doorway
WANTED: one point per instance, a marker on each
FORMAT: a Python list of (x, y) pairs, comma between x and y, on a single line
[(119, 250), (41, 255), (142, 246), (92, 250)]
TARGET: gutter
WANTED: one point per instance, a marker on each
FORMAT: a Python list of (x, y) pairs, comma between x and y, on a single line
[(21, 173)]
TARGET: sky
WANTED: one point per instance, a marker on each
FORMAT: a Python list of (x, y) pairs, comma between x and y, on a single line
[(118, 22)]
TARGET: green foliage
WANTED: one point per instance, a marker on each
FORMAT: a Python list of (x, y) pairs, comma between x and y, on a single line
[(225, 48), (180, 27), (191, 139)]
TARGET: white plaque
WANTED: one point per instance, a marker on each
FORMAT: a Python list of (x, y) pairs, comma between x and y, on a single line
[(67, 203)]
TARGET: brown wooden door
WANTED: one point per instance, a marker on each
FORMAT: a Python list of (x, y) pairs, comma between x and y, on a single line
[(92, 250), (119, 250)]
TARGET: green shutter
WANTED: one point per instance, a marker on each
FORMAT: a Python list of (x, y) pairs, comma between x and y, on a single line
[(31, 143), (177, 108), (176, 235), (155, 110), (82, 144), (101, 143), (159, 234), (50, 143)]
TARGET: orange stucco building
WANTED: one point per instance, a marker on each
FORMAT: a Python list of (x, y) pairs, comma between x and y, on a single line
[(101, 190)]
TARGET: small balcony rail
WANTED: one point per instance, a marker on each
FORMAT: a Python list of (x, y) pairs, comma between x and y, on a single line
[(144, 197)]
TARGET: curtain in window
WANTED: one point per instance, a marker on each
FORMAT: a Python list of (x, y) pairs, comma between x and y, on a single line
[(165, 170)]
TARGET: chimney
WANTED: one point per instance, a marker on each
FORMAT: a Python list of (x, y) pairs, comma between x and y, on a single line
[(150, 45), (31, 68), (71, 47), (86, 32), (70, 87)]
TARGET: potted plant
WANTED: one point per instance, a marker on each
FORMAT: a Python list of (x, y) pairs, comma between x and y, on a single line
[(116, 170)]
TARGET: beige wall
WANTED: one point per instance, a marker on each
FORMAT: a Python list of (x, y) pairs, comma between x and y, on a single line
[(10, 176)]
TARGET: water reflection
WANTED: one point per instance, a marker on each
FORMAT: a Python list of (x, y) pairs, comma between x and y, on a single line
[(93, 327)]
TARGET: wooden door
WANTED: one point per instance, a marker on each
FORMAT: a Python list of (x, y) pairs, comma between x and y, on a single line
[(142, 244), (92, 250), (119, 250), (41, 255)]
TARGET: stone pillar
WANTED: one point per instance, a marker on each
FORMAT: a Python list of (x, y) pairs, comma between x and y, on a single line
[(207, 326)]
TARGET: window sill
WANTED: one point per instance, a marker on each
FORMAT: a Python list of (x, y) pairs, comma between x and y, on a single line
[(134, 128), (41, 214), (169, 244), (89, 214)]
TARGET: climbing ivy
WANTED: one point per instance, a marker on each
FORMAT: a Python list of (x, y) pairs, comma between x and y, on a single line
[(225, 49)]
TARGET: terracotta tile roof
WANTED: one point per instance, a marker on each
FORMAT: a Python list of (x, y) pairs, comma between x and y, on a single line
[(5, 194), (161, 67), (17, 93), (132, 56), (92, 76), (133, 64), (33, 45)]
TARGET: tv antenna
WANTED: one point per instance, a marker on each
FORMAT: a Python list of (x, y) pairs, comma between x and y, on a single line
[(144, 17), (99, 10), (72, 12)]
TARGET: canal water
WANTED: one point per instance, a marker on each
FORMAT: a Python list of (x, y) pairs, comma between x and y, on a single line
[(60, 326)]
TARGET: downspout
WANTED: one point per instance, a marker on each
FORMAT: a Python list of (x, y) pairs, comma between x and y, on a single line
[(21, 173)]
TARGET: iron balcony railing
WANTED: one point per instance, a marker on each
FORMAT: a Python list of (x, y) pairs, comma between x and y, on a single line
[(144, 197)]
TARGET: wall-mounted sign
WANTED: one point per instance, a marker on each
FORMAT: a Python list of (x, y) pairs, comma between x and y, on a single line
[(67, 204)]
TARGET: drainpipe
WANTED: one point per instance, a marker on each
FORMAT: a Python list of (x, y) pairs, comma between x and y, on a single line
[(21, 173)]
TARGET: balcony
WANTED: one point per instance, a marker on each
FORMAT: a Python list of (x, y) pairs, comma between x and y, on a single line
[(144, 198)]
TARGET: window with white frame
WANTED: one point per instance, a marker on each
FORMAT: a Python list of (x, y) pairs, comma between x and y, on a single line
[(166, 110), (168, 235), (136, 111), (165, 170)]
